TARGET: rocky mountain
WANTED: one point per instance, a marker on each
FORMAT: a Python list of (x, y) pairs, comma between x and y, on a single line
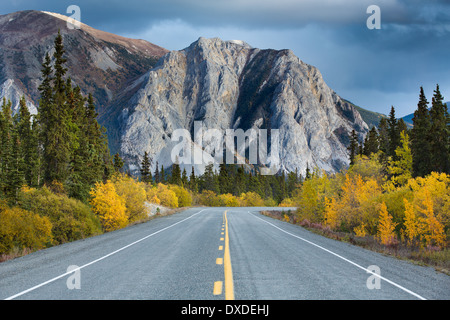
[(100, 63), (230, 85), (144, 93)]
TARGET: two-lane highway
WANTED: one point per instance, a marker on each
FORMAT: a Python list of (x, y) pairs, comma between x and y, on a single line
[(184, 256)]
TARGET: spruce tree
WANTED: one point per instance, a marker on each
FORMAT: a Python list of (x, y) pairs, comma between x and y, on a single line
[(393, 134), (193, 186), (383, 136), (162, 174), (175, 177), (156, 175), (353, 148), (146, 174), (118, 162), (6, 145), (440, 160), (225, 185), (371, 142), (28, 137), (58, 138), (184, 178), (420, 136)]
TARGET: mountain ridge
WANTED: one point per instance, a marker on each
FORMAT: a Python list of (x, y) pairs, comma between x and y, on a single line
[(142, 97), (227, 85), (99, 62)]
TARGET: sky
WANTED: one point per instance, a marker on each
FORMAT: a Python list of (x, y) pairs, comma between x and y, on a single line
[(375, 68)]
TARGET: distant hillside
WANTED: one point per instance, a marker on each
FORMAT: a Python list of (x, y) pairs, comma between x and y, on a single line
[(408, 118), (370, 117)]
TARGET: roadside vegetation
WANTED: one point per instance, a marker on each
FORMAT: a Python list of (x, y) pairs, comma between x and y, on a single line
[(59, 182)]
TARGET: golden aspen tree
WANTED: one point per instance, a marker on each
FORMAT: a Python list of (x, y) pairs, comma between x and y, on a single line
[(331, 213), (411, 223), (109, 206), (360, 231), (433, 229), (386, 227)]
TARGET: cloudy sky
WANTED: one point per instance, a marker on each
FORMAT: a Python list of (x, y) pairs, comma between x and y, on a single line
[(373, 68)]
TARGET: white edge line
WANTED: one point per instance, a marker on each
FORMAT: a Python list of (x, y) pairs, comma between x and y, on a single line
[(345, 259), (97, 260)]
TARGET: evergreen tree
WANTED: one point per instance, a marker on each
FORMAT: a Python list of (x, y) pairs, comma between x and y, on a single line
[(241, 181), (393, 134), (254, 184), (353, 148), (162, 177), (225, 184), (6, 145), (440, 159), (383, 136), (292, 182), (184, 179), (27, 135), (118, 162), (193, 186), (371, 142), (209, 179), (156, 175), (308, 172), (420, 135), (176, 174), (146, 174), (58, 138), (15, 174)]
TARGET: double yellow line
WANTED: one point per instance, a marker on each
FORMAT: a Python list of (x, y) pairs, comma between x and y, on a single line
[(228, 272)]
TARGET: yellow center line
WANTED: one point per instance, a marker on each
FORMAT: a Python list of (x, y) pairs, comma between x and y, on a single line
[(217, 288), (229, 289)]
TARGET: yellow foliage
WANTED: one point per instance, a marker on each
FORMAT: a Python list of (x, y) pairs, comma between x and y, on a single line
[(386, 227), (155, 200), (287, 202), (209, 198), (133, 192), (228, 200), (183, 196), (331, 214), (23, 229), (411, 223), (360, 231), (433, 229), (163, 193), (109, 206), (251, 199)]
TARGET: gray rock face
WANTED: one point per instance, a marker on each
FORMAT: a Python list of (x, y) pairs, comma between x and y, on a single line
[(99, 62), (228, 84)]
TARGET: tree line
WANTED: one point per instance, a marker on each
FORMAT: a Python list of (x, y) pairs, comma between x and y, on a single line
[(425, 147), (233, 179), (62, 145)]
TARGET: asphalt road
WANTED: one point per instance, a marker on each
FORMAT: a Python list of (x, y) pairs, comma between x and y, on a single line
[(184, 257)]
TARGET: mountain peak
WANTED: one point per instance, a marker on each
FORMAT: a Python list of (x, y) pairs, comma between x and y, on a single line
[(98, 61), (225, 85)]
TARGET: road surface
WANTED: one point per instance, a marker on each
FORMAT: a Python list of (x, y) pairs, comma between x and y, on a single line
[(216, 253)]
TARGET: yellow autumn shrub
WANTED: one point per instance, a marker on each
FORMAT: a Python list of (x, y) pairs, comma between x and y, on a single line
[(183, 196), (21, 229), (134, 194), (108, 206), (228, 200)]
